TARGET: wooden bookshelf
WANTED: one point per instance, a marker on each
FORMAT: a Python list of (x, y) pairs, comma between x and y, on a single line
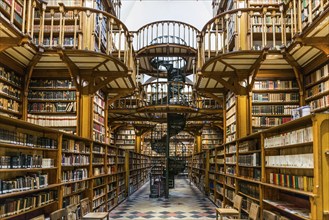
[(273, 102), (211, 138), (139, 167), (230, 117), (99, 132), (317, 89), (274, 167), (125, 138), (29, 168), (10, 93), (198, 173), (53, 103)]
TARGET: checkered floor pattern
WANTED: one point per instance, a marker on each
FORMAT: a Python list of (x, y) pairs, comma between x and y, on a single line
[(185, 202)]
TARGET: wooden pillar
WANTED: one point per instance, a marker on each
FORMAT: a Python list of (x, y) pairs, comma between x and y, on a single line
[(86, 115), (198, 147), (242, 115), (138, 143)]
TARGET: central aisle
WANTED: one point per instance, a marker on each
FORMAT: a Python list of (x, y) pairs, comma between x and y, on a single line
[(185, 202)]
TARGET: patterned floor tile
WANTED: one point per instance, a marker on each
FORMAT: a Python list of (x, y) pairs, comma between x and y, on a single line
[(185, 202)]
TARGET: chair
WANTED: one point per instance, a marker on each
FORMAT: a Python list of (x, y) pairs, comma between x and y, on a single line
[(58, 215), (71, 212), (39, 217), (87, 215), (231, 212), (253, 211)]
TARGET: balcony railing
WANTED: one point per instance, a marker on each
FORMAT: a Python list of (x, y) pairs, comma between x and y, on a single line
[(82, 28), (158, 94), (20, 13), (166, 32), (71, 27)]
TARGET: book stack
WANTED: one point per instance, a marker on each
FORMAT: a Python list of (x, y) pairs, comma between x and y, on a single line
[(296, 182), (303, 135), (16, 205), (74, 175), (75, 160), (295, 160), (23, 183), (249, 160), (22, 161), (19, 138)]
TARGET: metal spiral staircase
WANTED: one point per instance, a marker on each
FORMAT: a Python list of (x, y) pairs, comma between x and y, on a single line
[(175, 121)]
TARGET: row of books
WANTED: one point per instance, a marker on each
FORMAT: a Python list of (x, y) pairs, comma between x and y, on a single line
[(230, 137), (99, 118), (17, 205), (132, 141), (74, 175), (52, 107), (74, 187), (274, 109), (98, 192), (99, 110), (304, 183), (317, 89), (230, 102), (51, 95), (10, 91), (75, 160), (25, 161), (268, 28), (230, 120), (231, 129), (249, 189), (249, 160), (231, 159), (98, 171), (294, 160), (99, 149), (54, 42), (317, 75), (9, 104), (269, 121), (249, 145), (73, 199), (56, 28), (10, 76), (275, 97), (98, 160), (53, 121), (322, 102), (23, 183), (250, 173), (302, 135), (126, 132), (75, 146), (99, 101), (19, 138), (100, 137), (275, 84), (99, 128), (51, 83), (230, 148), (211, 141)]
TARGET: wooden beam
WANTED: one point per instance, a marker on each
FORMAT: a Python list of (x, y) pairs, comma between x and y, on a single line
[(73, 69), (321, 43)]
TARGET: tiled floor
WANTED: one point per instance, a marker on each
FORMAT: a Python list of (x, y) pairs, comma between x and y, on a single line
[(185, 202)]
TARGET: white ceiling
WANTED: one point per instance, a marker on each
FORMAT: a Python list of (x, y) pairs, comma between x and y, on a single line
[(137, 13)]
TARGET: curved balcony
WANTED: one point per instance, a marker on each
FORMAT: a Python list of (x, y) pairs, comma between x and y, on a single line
[(89, 43), (238, 43), (165, 39)]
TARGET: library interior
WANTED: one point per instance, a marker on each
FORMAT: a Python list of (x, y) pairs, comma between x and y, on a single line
[(102, 117)]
